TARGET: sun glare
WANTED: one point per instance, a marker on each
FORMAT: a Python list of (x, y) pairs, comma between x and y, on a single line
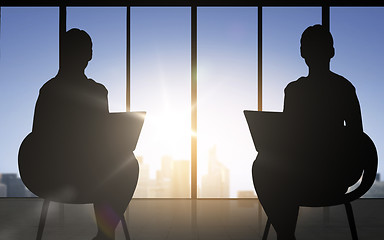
[(168, 133)]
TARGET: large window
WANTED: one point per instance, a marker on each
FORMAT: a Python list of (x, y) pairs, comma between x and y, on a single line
[(107, 28), (28, 58), (160, 85), (161, 82), (282, 63), (359, 53), (226, 86)]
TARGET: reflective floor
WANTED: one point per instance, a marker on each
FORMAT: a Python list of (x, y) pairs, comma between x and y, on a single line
[(164, 219)]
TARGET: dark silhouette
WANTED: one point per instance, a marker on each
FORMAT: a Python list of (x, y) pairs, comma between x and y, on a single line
[(77, 151), (267, 130), (316, 148)]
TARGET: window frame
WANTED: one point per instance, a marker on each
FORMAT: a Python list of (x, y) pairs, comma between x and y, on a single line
[(194, 4)]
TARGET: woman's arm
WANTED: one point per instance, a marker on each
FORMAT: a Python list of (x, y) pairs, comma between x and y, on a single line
[(353, 120)]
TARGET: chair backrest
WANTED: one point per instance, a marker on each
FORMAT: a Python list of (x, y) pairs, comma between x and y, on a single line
[(370, 169), (267, 130), (369, 161)]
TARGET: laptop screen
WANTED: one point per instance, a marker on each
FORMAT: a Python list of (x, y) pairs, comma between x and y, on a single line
[(126, 128), (266, 128)]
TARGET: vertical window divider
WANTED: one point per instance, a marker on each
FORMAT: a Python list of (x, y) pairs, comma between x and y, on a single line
[(325, 16), (128, 61), (62, 27), (0, 19), (62, 30), (260, 57), (194, 101)]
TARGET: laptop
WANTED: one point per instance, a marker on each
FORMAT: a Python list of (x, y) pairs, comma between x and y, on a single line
[(126, 128), (267, 129)]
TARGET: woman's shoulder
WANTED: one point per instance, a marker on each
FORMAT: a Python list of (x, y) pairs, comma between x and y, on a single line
[(97, 86), (295, 84), (49, 86), (341, 82)]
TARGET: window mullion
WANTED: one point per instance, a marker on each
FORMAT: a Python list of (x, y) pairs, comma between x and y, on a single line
[(194, 101)]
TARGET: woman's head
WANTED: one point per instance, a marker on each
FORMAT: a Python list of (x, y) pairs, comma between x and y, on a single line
[(316, 45), (76, 48)]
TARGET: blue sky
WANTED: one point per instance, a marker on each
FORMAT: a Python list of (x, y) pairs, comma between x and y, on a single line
[(160, 73)]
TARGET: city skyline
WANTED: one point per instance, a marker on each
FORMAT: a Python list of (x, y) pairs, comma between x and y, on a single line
[(173, 179)]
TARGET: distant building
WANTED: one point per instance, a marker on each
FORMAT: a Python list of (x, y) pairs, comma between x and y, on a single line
[(142, 190), (216, 182), (163, 184), (376, 191), (15, 187), (3, 190), (164, 178), (166, 167), (181, 179), (172, 180)]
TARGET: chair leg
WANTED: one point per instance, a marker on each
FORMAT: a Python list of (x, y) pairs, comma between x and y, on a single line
[(43, 216), (351, 220), (125, 228), (266, 230)]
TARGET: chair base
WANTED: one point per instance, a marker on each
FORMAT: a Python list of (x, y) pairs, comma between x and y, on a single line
[(43, 217), (351, 221)]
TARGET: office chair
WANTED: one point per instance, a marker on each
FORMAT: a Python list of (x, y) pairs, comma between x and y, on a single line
[(368, 178), (24, 149), (35, 166)]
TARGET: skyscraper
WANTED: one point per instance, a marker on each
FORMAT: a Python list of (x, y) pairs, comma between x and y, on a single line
[(216, 182), (15, 187), (142, 188), (3, 190), (164, 177), (181, 179), (166, 166)]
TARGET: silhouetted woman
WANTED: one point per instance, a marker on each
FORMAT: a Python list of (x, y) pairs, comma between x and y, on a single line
[(323, 127), (75, 159)]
